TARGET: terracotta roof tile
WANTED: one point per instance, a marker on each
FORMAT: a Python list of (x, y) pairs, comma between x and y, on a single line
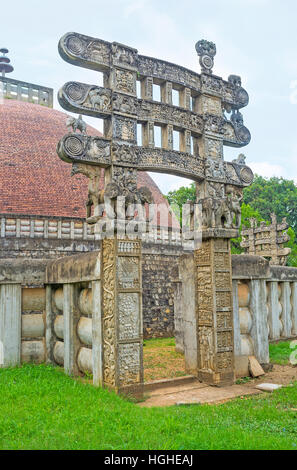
[(33, 179)]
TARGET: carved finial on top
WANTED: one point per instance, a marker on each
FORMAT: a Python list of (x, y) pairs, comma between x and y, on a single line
[(240, 160), (5, 66), (235, 80), (273, 218), (206, 51)]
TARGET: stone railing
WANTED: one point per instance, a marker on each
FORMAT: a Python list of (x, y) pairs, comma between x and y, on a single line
[(53, 321), (59, 228), (22, 312), (264, 302), (265, 305), (24, 91), (67, 228), (73, 315)]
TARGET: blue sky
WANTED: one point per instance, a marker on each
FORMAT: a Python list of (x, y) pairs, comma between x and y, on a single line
[(255, 39)]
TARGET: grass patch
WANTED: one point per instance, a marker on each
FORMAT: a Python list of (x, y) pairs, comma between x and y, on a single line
[(161, 361), (41, 408), (243, 380), (280, 352)]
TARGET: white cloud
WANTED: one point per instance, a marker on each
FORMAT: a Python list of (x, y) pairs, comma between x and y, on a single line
[(267, 169)]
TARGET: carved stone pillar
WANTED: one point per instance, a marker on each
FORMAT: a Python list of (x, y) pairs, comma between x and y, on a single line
[(148, 135), (122, 313), (167, 137), (214, 312), (185, 98), (147, 88), (166, 93), (186, 141)]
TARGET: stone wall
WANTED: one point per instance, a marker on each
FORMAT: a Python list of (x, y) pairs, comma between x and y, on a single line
[(44, 238), (159, 273)]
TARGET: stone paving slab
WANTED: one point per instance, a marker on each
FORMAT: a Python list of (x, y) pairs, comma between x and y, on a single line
[(178, 389), (194, 392), (197, 395)]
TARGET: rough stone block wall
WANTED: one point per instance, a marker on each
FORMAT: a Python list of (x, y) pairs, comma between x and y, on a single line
[(43, 249), (159, 270)]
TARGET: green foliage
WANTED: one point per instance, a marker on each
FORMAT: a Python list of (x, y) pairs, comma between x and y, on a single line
[(292, 258), (263, 197), (180, 197), (243, 380), (247, 212), (184, 194), (41, 408), (280, 352), (276, 195)]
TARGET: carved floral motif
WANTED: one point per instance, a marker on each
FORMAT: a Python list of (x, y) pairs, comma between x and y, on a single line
[(108, 304), (128, 314)]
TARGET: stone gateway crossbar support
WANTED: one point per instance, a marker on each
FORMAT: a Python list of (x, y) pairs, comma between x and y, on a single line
[(207, 117)]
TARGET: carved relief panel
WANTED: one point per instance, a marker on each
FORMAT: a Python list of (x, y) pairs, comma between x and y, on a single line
[(214, 311)]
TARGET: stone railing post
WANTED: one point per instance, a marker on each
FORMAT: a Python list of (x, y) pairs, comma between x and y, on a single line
[(71, 319), (294, 308), (236, 321), (273, 310), (97, 334), (286, 309), (10, 325), (259, 331)]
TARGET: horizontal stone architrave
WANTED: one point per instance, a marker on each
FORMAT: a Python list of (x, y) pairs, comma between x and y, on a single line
[(147, 110), (74, 148), (100, 55), (32, 271)]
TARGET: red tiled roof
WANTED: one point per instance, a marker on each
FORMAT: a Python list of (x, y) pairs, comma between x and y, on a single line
[(33, 179)]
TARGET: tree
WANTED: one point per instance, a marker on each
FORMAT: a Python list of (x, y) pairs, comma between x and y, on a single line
[(276, 195), (292, 258), (182, 195), (263, 197), (179, 197), (247, 212)]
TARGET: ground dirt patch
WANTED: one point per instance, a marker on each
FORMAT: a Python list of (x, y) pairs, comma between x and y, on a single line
[(161, 361), (199, 393)]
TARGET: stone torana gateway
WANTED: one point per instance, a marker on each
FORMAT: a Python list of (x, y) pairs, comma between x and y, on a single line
[(267, 240), (201, 119)]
